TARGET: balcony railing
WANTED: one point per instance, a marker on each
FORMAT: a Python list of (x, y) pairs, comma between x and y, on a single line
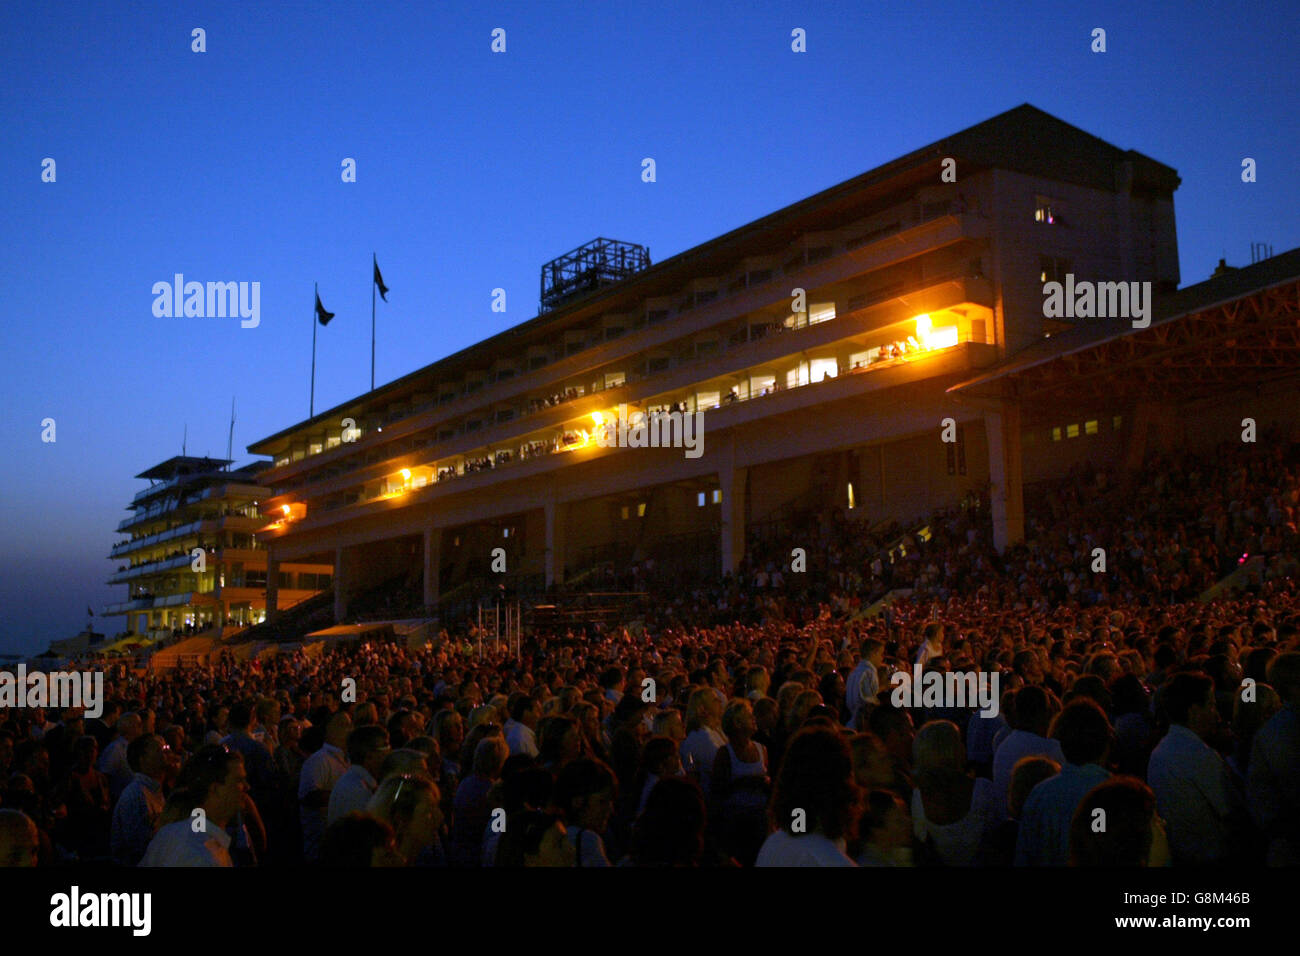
[(928, 213), (894, 355)]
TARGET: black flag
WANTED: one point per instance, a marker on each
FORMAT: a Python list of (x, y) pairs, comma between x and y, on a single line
[(321, 313), (89, 611), (379, 281)]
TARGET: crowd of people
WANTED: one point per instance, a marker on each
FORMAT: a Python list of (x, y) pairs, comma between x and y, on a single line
[(753, 722)]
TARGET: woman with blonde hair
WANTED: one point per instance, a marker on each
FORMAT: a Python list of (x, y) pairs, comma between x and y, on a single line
[(952, 811), (704, 735), (408, 802)]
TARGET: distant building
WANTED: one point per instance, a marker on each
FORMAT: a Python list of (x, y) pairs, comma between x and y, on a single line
[(191, 560), (78, 644)]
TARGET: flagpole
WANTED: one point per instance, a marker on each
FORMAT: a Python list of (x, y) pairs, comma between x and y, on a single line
[(316, 295), (374, 266)]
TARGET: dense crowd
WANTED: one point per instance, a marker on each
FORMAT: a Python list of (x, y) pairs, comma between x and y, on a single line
[(754, 721)]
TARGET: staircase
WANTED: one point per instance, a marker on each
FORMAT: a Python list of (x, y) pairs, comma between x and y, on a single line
[(190, 652)]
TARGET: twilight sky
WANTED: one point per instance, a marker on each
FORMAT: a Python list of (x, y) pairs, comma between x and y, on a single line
[(473, 168)]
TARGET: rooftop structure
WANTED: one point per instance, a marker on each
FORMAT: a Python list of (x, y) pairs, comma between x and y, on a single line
[(591, 266)]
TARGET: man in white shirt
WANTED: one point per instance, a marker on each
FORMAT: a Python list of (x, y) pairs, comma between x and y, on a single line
[(367, 748), (863, 682), (932, 646), (141, 803), (520, 728), (1193, 788), (201, 839), (320, 772)]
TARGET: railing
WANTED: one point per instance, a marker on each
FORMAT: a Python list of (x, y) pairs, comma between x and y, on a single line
[(162, 564), (929, 213)]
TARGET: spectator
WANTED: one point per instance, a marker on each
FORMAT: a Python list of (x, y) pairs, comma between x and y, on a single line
[(215, 782), (1085, 736), (815, 804), (367, 748)]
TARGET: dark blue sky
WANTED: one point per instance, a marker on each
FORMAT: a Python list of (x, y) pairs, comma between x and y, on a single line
[(472, 170)]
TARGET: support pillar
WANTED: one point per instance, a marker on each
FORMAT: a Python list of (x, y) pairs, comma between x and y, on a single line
[(732, 546), (557, 516), (272, 584), (432, 565), (342, 581), (1002, 426)]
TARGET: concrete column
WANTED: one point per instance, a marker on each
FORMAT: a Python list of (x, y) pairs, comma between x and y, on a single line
[(432, 564), (1006, 477), (732, 546), (557, 515), (272, 583), (342, 581)]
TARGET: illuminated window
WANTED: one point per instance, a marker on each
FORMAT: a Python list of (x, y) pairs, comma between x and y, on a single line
[(625, 512), (1056, 434), (863, 359), (707, 400), (333, 441), (1072, 431), (852, 501), (699, 499), (1047, 211), (1090, 427), (823, 369), (640, 510), (822, 312), (717, 496)]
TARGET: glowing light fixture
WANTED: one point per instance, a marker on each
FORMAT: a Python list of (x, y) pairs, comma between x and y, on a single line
[(406, 474), (944, 338)]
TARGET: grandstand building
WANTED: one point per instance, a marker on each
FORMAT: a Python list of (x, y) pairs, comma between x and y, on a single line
[(922, 300), (196, 503)]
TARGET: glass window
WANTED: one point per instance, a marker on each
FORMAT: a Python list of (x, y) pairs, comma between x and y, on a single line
[(824, 368)]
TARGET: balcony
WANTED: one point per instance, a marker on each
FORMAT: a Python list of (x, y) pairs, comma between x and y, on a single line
[(151, 567), (918, 228), (149, 603), (228, 522)]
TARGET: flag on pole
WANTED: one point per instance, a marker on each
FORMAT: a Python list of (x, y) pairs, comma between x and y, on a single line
[(379, 281), (89, 611), (321, 314)]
